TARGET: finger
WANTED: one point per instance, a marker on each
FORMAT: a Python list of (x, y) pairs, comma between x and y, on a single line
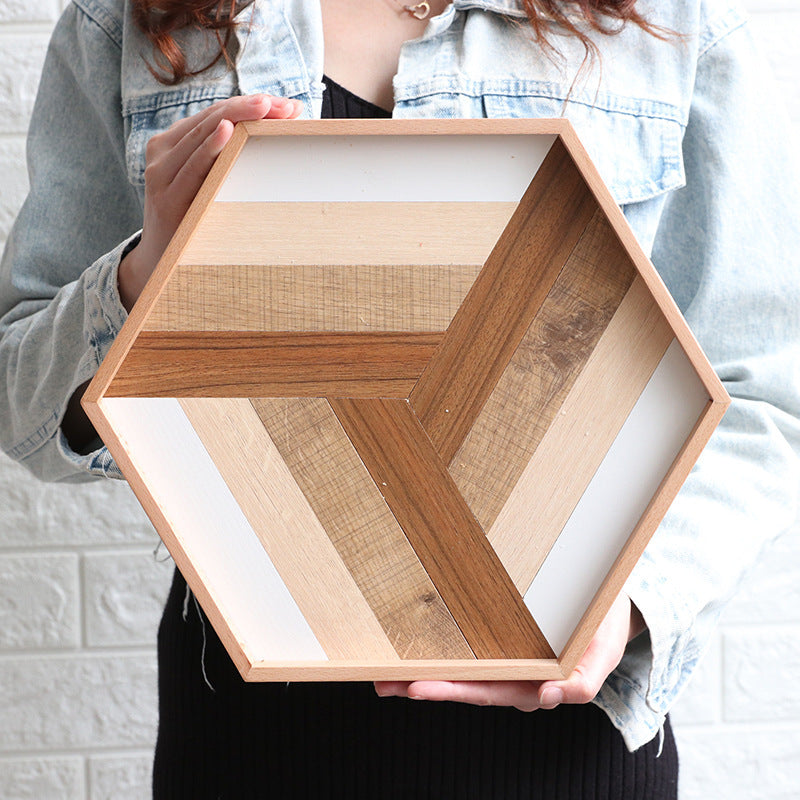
[(167, 162), (284, 108), (391, 688), (256, 104), (194, 171), (582, 686), (517, 694), (602, 655)]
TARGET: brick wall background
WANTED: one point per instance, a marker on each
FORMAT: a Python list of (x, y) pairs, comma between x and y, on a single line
[(81, 588)]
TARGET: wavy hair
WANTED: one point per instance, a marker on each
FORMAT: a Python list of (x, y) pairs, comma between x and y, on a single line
[(160, 19)]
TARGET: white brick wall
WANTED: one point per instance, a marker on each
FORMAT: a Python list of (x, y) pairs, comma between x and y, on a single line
[(80, 589)]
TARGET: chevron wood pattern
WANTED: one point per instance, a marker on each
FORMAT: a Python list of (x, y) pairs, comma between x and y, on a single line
[(403, 399), (362, 527)]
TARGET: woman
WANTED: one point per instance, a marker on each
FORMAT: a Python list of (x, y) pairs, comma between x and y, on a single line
[(670, 109)]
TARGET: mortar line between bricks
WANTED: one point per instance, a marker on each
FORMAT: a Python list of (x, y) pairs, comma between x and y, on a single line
[(87, 752), (87, 653), (107, 548), (720, 641), (87, 777), (82, 604), (13, 29)]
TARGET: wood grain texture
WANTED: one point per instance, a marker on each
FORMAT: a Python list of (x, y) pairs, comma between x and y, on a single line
[(569, 454), (287, 527), (311, 298), (445, 670), (544, 367), (367, 537), (450, 544), (160, 277), (347, 233), (568, 137), (407, 127), (503, 301), (244, 364)]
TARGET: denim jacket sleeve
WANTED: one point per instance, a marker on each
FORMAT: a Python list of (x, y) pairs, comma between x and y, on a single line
[(58, 282), (727, 246)]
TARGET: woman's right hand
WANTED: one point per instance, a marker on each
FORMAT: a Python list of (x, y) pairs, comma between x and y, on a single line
[(177, 162)]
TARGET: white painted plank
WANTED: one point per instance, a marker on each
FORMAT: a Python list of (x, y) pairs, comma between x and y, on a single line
[(616, 498), (212, 529), (434, 168)]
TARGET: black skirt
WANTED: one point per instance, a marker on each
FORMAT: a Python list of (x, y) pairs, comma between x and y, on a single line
[(340, 740)]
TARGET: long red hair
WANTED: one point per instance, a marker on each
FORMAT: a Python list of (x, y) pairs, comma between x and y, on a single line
[(159, 19)]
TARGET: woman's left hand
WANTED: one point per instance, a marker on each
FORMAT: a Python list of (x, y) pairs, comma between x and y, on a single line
[(621, 624)]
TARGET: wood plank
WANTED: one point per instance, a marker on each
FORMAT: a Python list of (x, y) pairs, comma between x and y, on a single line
[(347, 233), (288, 529), (569, 138), (311, 298), (245, 364), (407, 127), (149, 296), (581, 433), (367, 537), (544, 367), (449, 542), (503, 301), (444, 670)]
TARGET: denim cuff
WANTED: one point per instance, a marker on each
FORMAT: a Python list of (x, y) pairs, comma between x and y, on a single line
[(104, 313)]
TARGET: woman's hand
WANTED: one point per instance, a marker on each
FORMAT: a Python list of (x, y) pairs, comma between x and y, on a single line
[(622, 623), (178, 161)]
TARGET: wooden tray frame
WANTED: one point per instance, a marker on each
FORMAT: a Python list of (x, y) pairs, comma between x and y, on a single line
[(129, 366)]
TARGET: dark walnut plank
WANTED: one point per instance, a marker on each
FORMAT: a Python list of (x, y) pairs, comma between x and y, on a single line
[(257, 364), (449, 542), (504, 299), (361, 527)]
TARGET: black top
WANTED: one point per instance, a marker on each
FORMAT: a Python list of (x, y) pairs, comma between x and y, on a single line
[(339, 103), (325, 741)]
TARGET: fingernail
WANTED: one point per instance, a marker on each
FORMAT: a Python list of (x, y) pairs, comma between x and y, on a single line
[(279, 102), (551, 697)]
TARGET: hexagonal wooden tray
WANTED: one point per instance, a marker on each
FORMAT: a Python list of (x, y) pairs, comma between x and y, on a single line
[(405, 399)]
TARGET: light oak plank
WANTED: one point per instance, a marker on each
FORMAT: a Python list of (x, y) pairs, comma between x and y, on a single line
[(311, 298), (245, 364), (355, 516), (541, 372), (450, 544), (347, 233), (407, 127), (576, 442), (503, 301), (287, 527), (444, 670)]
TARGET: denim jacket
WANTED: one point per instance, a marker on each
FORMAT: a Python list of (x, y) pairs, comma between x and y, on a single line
[(687, 135)]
